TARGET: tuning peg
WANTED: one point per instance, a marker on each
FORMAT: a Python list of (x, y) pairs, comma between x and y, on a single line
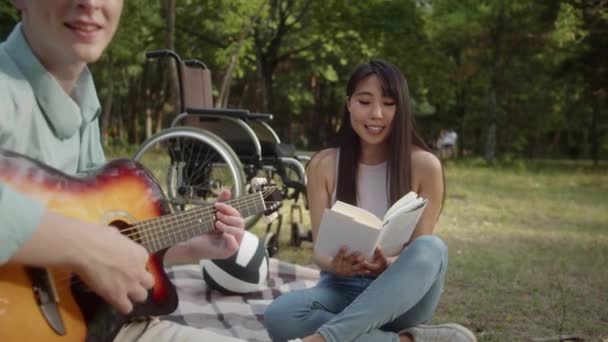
[(258, 182), (271, 217)]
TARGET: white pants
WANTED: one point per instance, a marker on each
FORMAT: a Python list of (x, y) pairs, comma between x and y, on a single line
[(166, 331)]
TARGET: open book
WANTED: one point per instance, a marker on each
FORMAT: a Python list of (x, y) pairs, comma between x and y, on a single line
[(360, 230)]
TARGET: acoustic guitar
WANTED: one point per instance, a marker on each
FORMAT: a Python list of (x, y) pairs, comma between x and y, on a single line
[(52, 304)]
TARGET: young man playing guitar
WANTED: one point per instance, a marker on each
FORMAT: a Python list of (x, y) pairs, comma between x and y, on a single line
[(50, 113)]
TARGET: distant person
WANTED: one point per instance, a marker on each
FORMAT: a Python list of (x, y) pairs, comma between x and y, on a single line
[(378, 158), (446, 143), (440, 142)]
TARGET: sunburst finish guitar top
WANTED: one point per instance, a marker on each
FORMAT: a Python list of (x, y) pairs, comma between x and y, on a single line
[(52, 304)]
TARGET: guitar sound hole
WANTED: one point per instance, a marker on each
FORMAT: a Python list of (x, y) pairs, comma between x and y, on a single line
[(122, 225)]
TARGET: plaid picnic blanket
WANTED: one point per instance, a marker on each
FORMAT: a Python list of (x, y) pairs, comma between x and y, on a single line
[(237, 316)]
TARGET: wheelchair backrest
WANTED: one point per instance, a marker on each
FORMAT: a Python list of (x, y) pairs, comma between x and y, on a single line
[(197, 91)]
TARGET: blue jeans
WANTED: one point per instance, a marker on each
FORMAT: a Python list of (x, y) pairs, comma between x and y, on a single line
[(363, 308)]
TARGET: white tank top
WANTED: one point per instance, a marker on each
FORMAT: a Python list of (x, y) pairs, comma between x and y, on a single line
[(371, 187)]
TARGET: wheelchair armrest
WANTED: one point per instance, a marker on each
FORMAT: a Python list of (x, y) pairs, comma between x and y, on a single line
[(233, 113), (261, 116)]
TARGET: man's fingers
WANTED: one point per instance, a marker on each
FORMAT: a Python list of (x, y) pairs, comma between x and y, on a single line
[(147, 280), (231, 241), (232, 230), (226, 209), (123, 305), (235, 221), (224, 195), (138, 294)]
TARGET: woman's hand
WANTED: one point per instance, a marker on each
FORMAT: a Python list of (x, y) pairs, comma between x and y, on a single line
[(346, 265), (378, 264)]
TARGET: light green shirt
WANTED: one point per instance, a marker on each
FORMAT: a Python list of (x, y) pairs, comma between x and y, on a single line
[(40, 120)]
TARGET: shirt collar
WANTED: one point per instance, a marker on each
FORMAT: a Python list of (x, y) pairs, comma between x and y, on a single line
[(64, 113)]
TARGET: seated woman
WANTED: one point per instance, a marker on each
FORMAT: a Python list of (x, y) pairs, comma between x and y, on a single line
[(378, 158)]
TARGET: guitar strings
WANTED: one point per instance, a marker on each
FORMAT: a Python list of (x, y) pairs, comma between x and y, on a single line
[(135, 231), (183, 217), (185, 222), (246, 200), (66, 278), (186, 217), (161, 230)]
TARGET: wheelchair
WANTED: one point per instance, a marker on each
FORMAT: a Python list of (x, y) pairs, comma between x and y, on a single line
[(207, 149)]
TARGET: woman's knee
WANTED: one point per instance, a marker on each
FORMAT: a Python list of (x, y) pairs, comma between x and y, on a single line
[(286, 316), (277, 315), (431, 243), (427, 249)]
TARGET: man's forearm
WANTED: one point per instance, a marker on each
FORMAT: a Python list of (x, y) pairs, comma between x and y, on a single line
[(179, 254), (57, 241)]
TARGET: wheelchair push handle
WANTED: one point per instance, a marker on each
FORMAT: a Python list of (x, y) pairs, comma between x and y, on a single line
[(195, 63), (260, 116), (162, 53)]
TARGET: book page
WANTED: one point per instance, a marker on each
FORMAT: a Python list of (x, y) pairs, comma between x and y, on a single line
[(337, 229), (410, 196), (409, 206), (399, 228), (358, 214)]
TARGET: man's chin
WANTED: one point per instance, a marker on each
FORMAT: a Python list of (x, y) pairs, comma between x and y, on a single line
[(88, 54)]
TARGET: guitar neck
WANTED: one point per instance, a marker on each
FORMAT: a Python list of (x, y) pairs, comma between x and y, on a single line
[(160, 233)]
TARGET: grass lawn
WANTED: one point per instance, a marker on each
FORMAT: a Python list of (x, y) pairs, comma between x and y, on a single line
[(528, 247)]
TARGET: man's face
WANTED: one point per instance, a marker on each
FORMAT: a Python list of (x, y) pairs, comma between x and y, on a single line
[(69, 31)]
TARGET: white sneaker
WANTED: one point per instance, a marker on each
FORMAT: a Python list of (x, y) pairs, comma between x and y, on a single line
[(449, 332), (295, 340)]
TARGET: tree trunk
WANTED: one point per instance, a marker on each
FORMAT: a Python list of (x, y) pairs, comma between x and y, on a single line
[(224, 96), (595, 132), (140, 98), (461, 112), (264, 84), (497, 34), (172, 88), (106, 115), (490, 145), (222, 99), (170, 44)]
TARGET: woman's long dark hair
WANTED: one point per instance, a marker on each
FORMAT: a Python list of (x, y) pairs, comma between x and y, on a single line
[(402, 136)]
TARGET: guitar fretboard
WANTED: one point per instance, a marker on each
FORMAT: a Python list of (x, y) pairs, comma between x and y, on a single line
[(163, 232)]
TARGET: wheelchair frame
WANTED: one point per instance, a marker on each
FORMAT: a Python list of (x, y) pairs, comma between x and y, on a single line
[(198, 119)]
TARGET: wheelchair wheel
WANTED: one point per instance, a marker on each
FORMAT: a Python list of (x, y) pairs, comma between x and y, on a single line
[(290, 173), (193, 166)]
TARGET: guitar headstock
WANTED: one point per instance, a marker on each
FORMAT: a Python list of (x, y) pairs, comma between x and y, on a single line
[(270, 192), (272, 199)]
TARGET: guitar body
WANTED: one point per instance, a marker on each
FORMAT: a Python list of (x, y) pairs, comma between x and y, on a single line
[(120, 194)]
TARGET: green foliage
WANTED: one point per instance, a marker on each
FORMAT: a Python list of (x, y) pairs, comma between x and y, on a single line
[(568, 26), (8, 17), (542, 60)]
